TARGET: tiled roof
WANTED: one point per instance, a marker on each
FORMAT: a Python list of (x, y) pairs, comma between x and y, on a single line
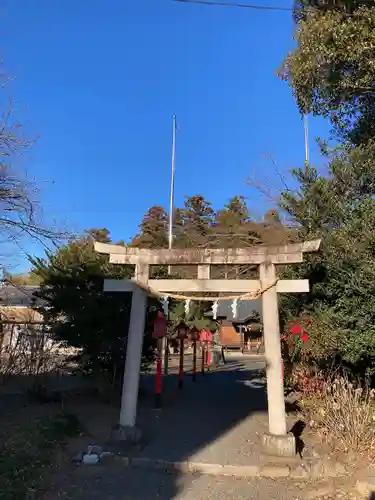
[(18, 295)]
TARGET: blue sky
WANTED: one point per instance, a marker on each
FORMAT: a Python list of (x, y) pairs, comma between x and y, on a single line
[(101, 80)]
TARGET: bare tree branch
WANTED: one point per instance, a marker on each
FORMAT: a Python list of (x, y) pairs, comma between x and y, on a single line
[(20, 215)]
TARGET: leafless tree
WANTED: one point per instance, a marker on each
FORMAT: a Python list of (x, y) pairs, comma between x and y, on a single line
[(20, 212)]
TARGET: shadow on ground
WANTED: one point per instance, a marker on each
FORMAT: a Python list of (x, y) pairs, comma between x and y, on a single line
[(215, 419), (219, 418)]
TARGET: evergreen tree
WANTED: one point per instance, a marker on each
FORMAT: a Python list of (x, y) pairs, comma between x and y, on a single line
[(195, 222), (331, 70), (332, 74), (342, 275), (79, 312), (153, 229), (231, 229), (231, 224)]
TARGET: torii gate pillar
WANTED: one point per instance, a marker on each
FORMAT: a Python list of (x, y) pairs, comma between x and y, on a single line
[(277, 441), (127, 430)]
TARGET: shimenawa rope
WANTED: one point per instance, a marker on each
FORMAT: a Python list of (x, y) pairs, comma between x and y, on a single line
[(246, 296)]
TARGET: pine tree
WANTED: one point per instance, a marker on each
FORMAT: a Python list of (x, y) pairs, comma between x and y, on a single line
[(153, 229), (231, 224), (195, 223)]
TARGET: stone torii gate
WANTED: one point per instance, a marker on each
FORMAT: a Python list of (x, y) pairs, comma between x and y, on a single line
[(267, 286)]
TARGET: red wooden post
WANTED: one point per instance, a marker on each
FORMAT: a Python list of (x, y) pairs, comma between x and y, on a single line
[(203, 357), (205, 337), (194, 335), (181, 367), (208, 355), (182, 331)]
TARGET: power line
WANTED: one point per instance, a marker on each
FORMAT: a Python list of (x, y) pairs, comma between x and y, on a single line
[(242, 5), (213, 3)]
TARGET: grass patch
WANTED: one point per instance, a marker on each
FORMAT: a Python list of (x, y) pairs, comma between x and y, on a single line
[(27, 453), (344, 415)]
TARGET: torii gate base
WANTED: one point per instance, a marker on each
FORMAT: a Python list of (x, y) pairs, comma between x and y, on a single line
[(277, 441)]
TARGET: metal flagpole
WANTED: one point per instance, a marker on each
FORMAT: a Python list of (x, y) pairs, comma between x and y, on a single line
[(171, 199), (170, 228)]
